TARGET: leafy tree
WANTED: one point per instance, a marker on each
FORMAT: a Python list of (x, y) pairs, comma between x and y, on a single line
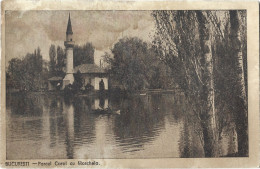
[(84, 54), (127, 66), (26, 73), (135, 66), (107, 58), (15, 75)]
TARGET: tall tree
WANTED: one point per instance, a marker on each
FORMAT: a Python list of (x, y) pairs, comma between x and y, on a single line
[(208, 122), (39, 61), (15, 73), (183, 41), (60, 65), (38, 69), (52, 55), (191, 42), (239, 103)]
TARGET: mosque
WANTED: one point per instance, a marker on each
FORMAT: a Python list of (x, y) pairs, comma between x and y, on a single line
[(91, 73)]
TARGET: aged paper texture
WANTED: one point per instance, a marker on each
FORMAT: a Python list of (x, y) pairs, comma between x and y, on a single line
[(129, 84)]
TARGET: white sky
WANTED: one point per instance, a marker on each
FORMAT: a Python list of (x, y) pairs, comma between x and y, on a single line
[(26, 30)]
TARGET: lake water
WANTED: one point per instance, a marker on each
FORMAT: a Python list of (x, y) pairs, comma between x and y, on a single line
[(41, 126)]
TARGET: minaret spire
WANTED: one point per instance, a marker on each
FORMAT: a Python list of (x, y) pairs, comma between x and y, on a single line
[(69, 27)]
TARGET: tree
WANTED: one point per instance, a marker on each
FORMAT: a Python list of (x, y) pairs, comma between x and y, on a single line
[(190, 59), (127, 66), (52, 55), (38, 60), (84, 54), (14, 72), (60, 65), (135, 66), (191, 42), (157, 72), (207, 96), (239, 103), (107, 58), (230, 78), (26, 73)]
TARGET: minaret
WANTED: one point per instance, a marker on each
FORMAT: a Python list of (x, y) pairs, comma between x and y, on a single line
[(69, 44)]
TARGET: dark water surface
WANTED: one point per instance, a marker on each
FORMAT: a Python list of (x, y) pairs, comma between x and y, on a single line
[(41, 126)]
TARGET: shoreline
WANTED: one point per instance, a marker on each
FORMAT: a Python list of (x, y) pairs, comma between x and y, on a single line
[(97, 93)]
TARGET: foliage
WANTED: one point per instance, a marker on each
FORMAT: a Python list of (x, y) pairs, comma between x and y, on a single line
[(27, 73), (209, 75), (78, 82), (135, 66), (127, 67), (60, 64), (178, 45), (52, 55), (83, 54), (57, 61)]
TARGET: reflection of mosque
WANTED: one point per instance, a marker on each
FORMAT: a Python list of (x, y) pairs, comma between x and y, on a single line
[(100, 103), (138, 124), (79, 121)]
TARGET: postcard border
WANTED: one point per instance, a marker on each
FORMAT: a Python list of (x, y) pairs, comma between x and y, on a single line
[(253, 75)]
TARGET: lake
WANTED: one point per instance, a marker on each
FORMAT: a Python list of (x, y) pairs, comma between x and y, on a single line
[(46, 126)]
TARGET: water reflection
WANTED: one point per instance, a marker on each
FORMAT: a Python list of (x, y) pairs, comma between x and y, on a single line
[(41, 126)]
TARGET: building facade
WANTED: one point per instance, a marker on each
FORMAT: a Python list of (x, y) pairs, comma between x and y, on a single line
[(93, 75)]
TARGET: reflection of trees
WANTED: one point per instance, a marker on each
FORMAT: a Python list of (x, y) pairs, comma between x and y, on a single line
[(51, 120), (184, 143), (190, 143), (84, 121), (191, 139), (25, 120), (242, 135), (139, 121), (26, 105), (174, 105), (232, 142)]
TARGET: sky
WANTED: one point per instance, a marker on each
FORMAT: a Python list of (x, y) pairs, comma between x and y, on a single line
[(26, 30)]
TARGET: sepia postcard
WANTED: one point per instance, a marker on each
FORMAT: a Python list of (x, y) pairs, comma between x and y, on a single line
[(131, 84)]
